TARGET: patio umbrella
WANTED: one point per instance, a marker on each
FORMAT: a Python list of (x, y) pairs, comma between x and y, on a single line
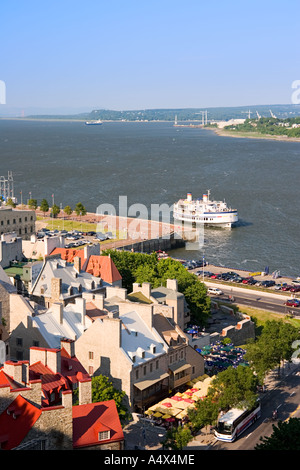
[(167, 404), (157, 414)]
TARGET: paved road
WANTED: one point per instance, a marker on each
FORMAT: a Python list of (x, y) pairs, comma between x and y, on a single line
[(257, 299)]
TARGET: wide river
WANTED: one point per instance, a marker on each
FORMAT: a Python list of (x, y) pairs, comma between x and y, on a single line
[(157, 163)]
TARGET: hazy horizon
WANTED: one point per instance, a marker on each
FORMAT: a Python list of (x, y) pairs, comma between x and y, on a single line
[(137, 55)]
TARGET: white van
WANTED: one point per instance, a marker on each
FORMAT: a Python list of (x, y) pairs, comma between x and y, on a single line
[(214, 291)]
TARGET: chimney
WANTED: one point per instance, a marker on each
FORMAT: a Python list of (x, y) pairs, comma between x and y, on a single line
[(99, 301), (54, 360), (67, 399), (85, 389), (146, 289), (18, 370), (77, 264), (68, 345), (172, 284), (80, 307), (57, 309), (56, 288)]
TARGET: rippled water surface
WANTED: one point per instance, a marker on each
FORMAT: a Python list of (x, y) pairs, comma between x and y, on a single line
[(157, 163)]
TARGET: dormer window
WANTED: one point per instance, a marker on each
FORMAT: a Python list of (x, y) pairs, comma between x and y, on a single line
[(103, 435)]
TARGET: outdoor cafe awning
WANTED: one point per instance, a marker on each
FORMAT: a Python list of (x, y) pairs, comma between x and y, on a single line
[(151, 380), (179, 367)]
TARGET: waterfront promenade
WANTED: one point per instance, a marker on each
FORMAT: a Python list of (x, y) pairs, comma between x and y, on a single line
[(135, 232), (128, 230)]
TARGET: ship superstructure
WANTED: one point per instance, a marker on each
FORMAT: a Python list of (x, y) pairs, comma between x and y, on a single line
[(204, 211)]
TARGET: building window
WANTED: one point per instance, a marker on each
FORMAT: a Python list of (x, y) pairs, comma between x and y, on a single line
[(151, 367), (104, 435), (91, 370), (91, 355), (145, 370), (36, 344), (137, 374), (157, 364), (14, 221), (19, 341)]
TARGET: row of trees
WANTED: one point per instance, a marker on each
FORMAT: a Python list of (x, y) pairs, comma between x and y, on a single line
[(79, 208)]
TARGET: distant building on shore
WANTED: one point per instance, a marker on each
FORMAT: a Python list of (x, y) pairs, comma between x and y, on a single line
[(22, 222)]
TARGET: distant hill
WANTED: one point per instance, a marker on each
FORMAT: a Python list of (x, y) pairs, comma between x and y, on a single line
[(281, 111)]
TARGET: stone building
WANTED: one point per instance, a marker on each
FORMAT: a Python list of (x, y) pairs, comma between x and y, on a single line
[(140, 348), (15, 220)]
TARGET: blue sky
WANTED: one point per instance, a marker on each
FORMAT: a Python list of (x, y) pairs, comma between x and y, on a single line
[(138, 54)]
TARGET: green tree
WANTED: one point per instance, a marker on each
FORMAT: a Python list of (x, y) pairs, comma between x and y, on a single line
[(80, 209), (285, 436), (204, 413), (103, 390), (234, 387), (68, 210), (44, 206), (273, 346), (55, 210), (10, 202), (177, 438), (32, 203)]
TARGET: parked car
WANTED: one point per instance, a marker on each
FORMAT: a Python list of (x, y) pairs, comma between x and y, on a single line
[(295, 289)]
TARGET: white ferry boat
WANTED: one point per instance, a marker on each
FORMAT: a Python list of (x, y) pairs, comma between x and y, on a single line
[(205, 211)]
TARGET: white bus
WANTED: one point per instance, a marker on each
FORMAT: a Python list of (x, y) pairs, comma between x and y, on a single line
[(231, 424)]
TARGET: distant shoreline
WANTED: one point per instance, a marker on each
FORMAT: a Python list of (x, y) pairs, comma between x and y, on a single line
[(220, 132), (250, 135)]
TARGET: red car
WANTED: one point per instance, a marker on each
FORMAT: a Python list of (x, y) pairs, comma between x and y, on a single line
[(214, 276), (293, 303)]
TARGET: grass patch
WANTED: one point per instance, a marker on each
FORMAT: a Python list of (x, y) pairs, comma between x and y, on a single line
[(69, 225), (260, 316)]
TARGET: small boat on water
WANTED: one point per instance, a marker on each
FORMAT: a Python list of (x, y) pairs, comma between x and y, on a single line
[(204, 211), (93, 123)]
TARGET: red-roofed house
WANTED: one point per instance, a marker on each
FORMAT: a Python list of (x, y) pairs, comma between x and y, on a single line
[(25, 421), (97, 425), (58, 369), (97, 265)]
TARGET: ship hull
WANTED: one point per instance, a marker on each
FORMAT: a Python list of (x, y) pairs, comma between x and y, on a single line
[(210, 219)]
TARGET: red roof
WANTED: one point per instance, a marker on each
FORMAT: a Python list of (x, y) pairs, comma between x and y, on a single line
[(71, 368), (50, 380), (16, 421), (68, 254), (98, 265), (90, 419), (104, 267)]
